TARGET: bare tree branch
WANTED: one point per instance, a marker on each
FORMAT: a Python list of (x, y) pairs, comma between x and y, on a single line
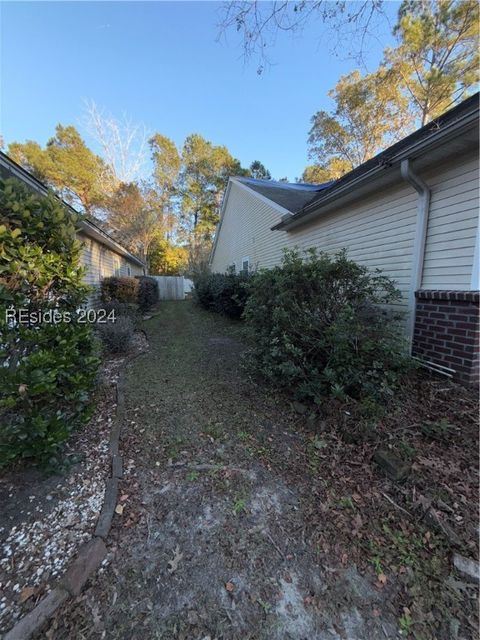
[(124, 143), (260, 22)]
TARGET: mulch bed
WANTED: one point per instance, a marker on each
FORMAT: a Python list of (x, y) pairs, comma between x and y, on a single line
[(45, 517)]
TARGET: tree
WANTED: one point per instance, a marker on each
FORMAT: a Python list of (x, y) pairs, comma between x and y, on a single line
[(437, 58), (123, 208), (315, 174), (259, 172), (123, 142), (167, 259), (260, 23), (370, 113), (204, 175), (166, 163), (32, 157), (69, 166), (135, 214)]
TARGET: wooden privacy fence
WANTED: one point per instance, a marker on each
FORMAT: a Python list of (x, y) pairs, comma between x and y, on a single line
[(170, 287)]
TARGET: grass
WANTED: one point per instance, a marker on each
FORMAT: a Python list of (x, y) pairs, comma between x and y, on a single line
[(194, 407), (239, 505)]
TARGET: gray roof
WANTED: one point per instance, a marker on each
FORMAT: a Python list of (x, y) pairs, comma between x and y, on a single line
[(291, 196)]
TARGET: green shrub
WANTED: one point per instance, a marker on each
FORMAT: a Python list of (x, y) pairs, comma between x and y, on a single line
[(319, 326), (147, 292), (120, 289), (46, 370), (222, 293), (117, 336)]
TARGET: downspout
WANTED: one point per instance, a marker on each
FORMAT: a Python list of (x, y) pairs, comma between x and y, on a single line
[(423, 210)]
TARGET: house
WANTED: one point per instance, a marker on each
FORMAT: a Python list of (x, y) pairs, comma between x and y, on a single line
[(411, 211), (102, 255)]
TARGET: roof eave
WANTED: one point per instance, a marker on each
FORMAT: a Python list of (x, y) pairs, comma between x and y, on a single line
[(92, 231), (415, 150)]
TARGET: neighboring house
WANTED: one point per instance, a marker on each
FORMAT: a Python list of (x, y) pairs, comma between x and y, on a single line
[(102, 255), (411, 211)]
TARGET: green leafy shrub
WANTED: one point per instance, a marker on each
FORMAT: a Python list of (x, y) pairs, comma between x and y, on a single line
[(147, 292), (46, 370), (222, 293), (120, 289), (117, 336), (319, 326)]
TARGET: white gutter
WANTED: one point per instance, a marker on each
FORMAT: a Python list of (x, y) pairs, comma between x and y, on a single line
[(423, 210)]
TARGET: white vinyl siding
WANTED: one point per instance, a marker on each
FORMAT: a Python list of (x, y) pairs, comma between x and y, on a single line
[(102, 262), (377, 231), (452, 225), (245, 231)]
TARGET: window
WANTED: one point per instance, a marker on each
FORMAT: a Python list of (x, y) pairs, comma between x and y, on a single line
[(129, 271), (231, 268), (245, 264)]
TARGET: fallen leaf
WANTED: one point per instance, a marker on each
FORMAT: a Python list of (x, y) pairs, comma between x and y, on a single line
[(376, 612), (22, 388), (25, 594), (381, 581), (173, 564), (229, 586), (123, 497), (119, 509)]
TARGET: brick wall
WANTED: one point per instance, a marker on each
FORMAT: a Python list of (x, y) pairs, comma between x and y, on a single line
[(447, 332)]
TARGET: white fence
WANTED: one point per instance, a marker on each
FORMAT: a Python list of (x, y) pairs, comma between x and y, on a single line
[(170, 287)]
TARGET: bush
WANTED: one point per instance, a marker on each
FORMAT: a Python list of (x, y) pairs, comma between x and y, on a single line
[(124, 309), (222, 293), (119, 289), (147, 292), (319, 326), (117, 336), (46, 370)]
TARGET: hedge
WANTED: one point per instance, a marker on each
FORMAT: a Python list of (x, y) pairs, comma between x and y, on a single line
[(222, 293), (323, 325), (47, 370), (119, 289)]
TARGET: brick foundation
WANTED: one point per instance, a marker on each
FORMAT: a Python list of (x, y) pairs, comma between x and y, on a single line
[(447, 332)]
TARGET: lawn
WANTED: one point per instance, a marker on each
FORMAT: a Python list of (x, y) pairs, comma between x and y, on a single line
[(247, 516)]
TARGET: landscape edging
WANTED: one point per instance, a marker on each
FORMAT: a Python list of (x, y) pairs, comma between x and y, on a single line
[(91, 554)]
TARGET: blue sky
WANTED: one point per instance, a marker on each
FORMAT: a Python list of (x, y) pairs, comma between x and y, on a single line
[(161, 64)]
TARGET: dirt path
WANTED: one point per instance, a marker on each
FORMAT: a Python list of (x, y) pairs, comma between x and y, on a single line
[(218, 538)]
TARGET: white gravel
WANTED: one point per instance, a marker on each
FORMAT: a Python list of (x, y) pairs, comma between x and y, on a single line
[(35, 552)]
